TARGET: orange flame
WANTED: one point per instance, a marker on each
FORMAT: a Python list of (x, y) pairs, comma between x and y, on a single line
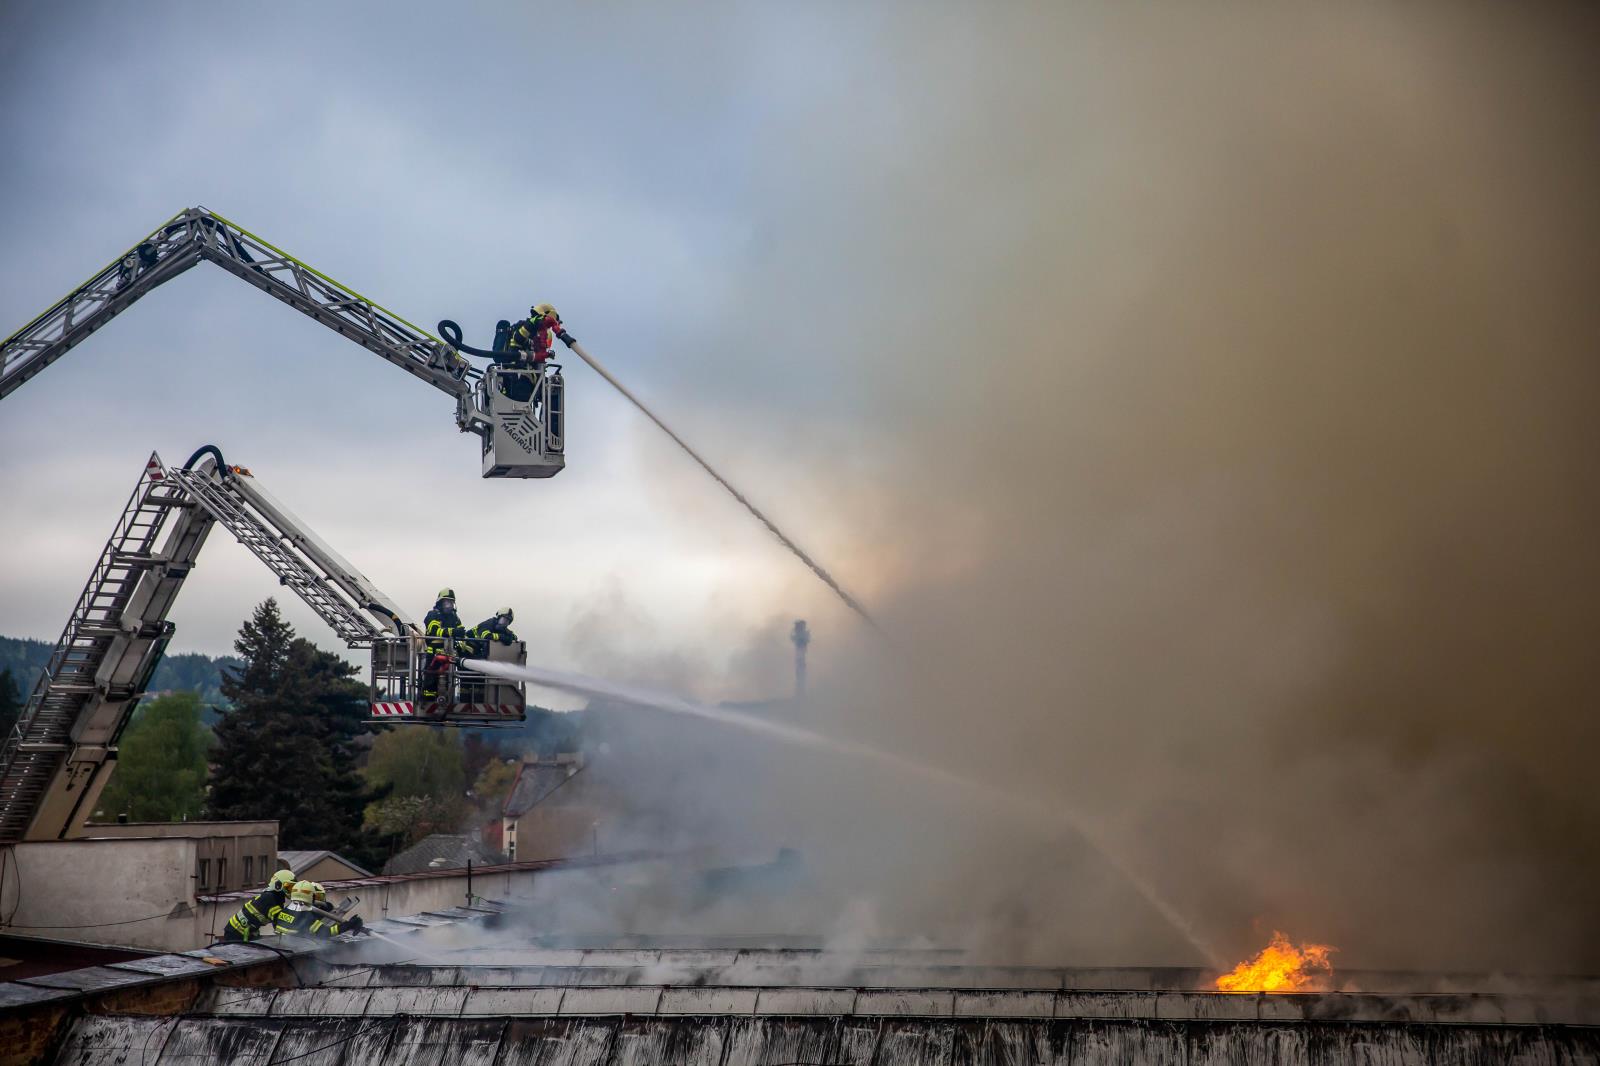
[(1282, 967)]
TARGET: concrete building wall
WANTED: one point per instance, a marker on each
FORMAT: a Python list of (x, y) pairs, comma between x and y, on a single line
[(135, 884), (228, 856), (554, 831), (127, 893)]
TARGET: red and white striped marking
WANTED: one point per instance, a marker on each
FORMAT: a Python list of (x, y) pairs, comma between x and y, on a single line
[(446, 710)]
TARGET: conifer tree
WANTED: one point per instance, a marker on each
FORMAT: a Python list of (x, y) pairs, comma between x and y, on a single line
[(10, 703), (284, 750)]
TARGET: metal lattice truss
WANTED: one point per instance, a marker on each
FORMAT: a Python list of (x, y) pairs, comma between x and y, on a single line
[(58, 756), (196, 234), (112, 641), (325, 586)]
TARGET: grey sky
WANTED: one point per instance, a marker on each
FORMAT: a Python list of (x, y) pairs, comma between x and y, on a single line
[(607, 159)]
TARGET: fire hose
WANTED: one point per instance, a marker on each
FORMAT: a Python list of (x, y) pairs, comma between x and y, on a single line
[(451, 332), (799, 553)]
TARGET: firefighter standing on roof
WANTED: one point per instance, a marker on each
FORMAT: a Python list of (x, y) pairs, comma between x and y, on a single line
[(302, 914), (261, 909)]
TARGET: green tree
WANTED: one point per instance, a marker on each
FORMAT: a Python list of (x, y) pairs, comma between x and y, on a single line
[(417, 762), (284, 749), (10, 703), (420, 775), (494, 785), (400, 821), (161, 763)]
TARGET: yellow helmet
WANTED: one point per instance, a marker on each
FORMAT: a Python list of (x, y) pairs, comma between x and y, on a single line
[(545, 311), (507, 613), (446, 594), (304, 892), (322, 893), (283, 879)]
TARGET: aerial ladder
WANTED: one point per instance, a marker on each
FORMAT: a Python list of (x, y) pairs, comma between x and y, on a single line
[(63, 748), (521, 437)]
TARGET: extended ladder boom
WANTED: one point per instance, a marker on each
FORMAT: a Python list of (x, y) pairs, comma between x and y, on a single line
[(521, 438), (59, 756), (341, 595), (194, 235)]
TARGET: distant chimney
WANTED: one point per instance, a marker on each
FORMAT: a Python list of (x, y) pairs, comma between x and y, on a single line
[(800, 635)]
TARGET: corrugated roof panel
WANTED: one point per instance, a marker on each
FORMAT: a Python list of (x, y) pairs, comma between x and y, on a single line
[(437, 1042), (641, 1042), (707, 1001), (922, 1043), (422, 1001), (321, 1002), (502, 976), (557, 1042), (1202, 1005), (1147, 1043), (339, 975), (333, 1041), (1005, 1004), (203, 1041), (805, 1001), (906, 1003), (483, 1002), (1105, 1004), (397, 974), (610, 1001), (592, 975), (1007, 1043), (1225, 1045), (221, 999), (114, 1039), (761, 1041)]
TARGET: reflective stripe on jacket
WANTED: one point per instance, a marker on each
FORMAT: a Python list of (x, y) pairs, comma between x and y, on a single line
[(306, 920), (438, 625), (260, 909), (495, 630)]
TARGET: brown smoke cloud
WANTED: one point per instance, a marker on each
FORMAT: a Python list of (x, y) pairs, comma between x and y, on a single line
[(1218, 386)]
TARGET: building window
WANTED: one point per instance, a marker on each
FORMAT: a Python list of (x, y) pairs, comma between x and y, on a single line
[(249, 871), (205, 873), (266, 871), (222, 874)]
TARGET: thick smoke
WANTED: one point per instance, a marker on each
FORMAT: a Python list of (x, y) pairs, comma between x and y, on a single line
[(1214, 391)]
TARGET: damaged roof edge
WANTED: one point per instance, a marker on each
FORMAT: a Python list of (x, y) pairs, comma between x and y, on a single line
[(354, 883), (215, 960)]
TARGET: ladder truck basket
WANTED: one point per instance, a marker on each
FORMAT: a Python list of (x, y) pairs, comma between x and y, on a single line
[(419, 680), (526, 410)]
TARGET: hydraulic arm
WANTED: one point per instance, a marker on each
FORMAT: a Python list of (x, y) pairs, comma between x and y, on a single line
[(60, 755), (520, 438)]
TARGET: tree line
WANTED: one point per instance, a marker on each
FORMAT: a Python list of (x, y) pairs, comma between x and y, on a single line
[(25, 659), (288, 737)]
